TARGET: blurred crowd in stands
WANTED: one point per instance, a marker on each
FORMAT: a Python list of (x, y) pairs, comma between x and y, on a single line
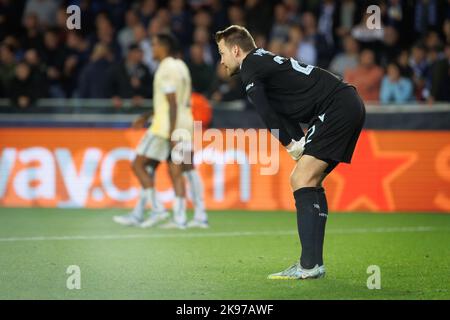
[(111, 57)]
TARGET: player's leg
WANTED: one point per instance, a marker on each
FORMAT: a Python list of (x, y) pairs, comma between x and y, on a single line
[(323, 214), (150, 151), (179, 204), (156, 149), (157, 206), (140, 167), (147, 194), (306, 179), (200, 219), (142, 200), (158, 211)]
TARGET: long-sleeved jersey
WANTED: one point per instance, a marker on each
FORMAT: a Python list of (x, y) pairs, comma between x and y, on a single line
[(286, 92)]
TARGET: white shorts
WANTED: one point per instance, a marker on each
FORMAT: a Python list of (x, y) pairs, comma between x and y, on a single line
[(157, 148), (153, 147)]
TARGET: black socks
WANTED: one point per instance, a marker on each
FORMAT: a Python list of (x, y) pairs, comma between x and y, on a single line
[(322, 220), (312, 212)]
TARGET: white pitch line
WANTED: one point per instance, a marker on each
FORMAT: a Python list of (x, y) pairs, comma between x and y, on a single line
[(180, 234)]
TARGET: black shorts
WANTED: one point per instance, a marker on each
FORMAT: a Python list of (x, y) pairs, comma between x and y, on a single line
[(333, 133)]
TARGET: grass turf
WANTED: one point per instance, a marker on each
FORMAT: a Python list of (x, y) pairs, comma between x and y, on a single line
[(228, 261)]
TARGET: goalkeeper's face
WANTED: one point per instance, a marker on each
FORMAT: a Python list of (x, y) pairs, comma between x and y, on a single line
[(229, 57)]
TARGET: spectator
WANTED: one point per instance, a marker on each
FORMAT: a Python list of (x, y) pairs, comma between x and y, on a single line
[(426, 15), (347, 59), (10, 17), (225, 88), (105, 34), (115, 9), (78, 51), (419, 65), (260, 40), (202, 73), (317, 40), (391, 47), (24, 89), (61, 24), (180, 21), (93, 81), (219, 15), (7, 68), (163, 15), (202, 19), (45, 10), (289, 50), (236, 15), (403, 64), (142, 39), (446, 31), (77, 44), (292, 7), (38, 71), (54, 56), (280, 27), (394, 87), (130, 79), (203, 38), (32, 37), (306, 52), (366, 77), (258, 15), (440, 78), (347, 17), (308, 30), (326, 20), (125, 36), (276, 46), (394, 13), (432, 40), (148, 11)]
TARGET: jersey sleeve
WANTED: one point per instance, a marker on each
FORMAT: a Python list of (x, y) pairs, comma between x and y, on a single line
[(253, 72), (258, 98), (168, 83)]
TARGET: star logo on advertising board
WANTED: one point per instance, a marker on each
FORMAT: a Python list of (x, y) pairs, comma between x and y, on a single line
[(365, 184)]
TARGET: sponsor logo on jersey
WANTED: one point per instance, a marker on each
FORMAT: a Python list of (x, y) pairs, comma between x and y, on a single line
[(322, 117)]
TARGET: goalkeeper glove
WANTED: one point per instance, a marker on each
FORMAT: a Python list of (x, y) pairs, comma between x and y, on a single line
[(297, 148)]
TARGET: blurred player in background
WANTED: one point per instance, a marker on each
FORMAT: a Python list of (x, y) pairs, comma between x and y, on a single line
[(286, 93), (169, 136)]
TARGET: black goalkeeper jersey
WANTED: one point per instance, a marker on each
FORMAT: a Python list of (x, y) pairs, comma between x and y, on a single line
[(285, 91)]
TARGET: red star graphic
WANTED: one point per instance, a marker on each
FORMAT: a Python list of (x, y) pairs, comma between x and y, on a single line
[(366, 182)]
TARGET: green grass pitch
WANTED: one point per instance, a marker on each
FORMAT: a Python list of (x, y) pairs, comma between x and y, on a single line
[(228, 261)]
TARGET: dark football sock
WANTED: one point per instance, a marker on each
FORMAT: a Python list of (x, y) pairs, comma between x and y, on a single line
[(322, 220), (306, 202)]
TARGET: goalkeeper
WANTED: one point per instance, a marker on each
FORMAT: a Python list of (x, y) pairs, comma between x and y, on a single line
[(285, 93)]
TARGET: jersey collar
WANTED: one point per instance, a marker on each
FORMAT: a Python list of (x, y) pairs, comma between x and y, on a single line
[(250, 53)]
